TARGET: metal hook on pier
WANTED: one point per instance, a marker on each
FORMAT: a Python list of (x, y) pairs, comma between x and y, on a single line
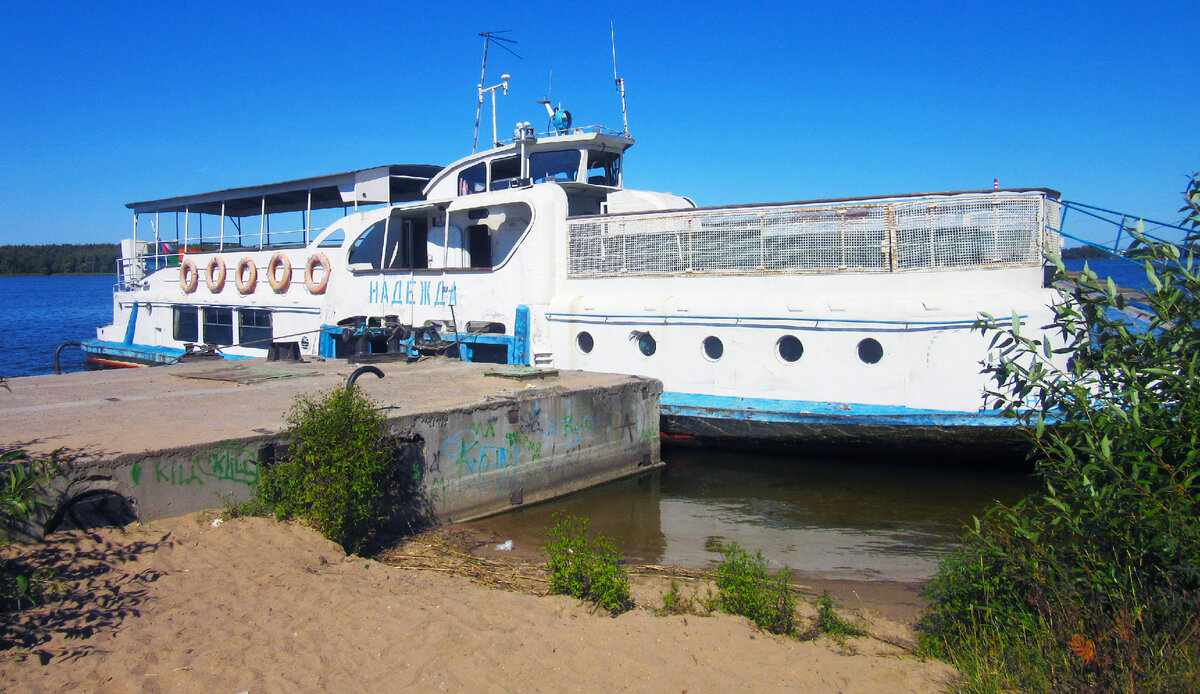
[(360, 371), (57, 370)]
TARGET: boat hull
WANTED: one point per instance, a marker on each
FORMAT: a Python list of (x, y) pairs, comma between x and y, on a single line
[(823, 427)]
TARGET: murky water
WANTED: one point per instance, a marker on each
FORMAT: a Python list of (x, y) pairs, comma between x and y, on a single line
[(832, 519)]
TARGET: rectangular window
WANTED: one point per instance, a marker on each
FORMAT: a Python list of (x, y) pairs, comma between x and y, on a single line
[(560, 166), (254, 327), (505, 172), (186, 324), (473, 180), (604, 168), (218, 326)]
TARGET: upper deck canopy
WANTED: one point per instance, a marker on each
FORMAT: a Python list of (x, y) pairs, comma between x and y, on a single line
[(391, 184)]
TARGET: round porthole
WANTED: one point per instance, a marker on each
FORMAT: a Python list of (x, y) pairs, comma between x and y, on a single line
[(870, 351), (584, 342), (646, 344), (789, 348), (713, 349)]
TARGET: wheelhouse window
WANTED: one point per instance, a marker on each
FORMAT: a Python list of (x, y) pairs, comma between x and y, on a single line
[(473, 180), (254, 327), (218, 326), (604, 168), (186, 324), (505, 172), (560, 166)]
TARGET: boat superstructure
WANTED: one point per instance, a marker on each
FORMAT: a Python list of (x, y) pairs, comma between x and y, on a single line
[(785, 321)]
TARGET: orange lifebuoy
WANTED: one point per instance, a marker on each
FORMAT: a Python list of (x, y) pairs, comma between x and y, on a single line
[(216, 275), (188, 276), (247, 275), (318, 260), (279, 284)]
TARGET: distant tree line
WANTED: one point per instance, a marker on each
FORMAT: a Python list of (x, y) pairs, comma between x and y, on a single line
[(1085, 253), (59, 259)]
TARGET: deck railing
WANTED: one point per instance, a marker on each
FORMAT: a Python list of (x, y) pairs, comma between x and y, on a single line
[(1001, 229)]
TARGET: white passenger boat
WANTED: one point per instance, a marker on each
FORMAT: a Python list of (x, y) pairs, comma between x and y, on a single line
[(825, 321)]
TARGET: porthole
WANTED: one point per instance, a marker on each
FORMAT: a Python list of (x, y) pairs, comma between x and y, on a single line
[(713, 349), (646, 344), (870, 351), (789, 348), (584, 342)]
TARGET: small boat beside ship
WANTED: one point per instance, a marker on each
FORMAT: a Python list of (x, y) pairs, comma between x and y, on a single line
[(815, 322)]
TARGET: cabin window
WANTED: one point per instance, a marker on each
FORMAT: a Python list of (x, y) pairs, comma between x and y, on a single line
[(789, 348), (646, 343), (367, 249), (505, 172), (218, 326), (558, 166), (713, 348), (585, 342), (186, 326), (334, 239), (870, 351), (254, 326), (604, 168), (473, 180)]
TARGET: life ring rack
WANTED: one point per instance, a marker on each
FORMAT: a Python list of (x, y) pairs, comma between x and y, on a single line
[(189, 276), (216, 274), (317, 260), (247, 275), (279, 283)]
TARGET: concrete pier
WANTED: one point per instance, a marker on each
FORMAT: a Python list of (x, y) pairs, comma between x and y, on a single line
[(157, 442)]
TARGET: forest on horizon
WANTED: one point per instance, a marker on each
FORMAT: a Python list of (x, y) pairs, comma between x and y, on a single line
[(60, 259)]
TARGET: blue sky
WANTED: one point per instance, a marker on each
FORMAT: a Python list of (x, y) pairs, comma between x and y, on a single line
[(729, 102)]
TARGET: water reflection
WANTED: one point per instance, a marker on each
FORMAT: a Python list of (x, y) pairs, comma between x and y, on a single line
[(825, 518)]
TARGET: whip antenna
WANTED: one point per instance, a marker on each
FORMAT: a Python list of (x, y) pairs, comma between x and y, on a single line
[(490, 37), (620, 82)]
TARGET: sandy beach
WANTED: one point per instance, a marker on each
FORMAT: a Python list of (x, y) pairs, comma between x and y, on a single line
[(253, 605)]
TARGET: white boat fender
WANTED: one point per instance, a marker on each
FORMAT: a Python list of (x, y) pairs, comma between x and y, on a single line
[(216, 275), (247, 275), (310, 269), (189, 276), (279, 283)]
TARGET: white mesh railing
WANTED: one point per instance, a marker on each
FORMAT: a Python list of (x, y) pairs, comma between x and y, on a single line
[(989, 229)]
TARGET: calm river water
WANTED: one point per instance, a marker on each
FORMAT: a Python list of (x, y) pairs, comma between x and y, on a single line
[(874, 519)]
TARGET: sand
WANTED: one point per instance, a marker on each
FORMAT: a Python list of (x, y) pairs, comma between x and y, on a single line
[(258, 606)]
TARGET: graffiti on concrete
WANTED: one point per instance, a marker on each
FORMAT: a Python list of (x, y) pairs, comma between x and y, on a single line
[(230, 462)]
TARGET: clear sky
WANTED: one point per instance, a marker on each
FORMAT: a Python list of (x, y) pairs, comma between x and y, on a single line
[(730, 102)]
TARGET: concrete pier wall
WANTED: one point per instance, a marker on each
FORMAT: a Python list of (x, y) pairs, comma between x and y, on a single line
[(154, 443)]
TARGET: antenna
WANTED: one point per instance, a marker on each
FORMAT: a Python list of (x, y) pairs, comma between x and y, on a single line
[(490, 37), (620, 82)]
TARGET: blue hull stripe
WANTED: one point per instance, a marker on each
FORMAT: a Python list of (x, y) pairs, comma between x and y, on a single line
[(790, 323), (811, 412)]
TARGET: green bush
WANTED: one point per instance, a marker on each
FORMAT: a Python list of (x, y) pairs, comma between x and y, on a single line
[(745, 587), (828, 621), (586, 568), (22, 479), (339, 468), (1093, 584)]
